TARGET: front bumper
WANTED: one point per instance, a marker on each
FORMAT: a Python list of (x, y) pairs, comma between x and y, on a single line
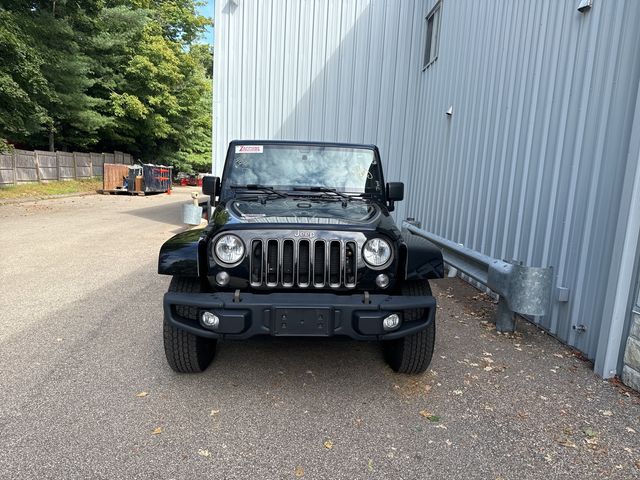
[(298, 314)]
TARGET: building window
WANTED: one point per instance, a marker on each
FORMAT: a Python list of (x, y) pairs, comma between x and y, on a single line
[(432, 36)]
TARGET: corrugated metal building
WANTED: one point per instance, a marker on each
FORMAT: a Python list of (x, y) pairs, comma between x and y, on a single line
[(514, 124)]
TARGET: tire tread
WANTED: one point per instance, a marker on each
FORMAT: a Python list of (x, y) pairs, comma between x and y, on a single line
[(412, 354), (186, 352)]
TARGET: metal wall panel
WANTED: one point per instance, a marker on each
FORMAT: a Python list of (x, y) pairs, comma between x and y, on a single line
[(530, 165), (317, 69)]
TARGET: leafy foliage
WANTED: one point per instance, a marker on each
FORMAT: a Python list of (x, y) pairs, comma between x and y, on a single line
[(107, 74)]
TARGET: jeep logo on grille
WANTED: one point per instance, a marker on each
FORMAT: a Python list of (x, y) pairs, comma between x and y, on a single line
[(304, 234)]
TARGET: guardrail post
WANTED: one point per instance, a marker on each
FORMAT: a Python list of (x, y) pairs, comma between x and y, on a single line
[(505, 317)]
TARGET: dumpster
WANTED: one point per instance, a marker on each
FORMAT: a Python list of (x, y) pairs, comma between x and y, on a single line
[(156, 178)]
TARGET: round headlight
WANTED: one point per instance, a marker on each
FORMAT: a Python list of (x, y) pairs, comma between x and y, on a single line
[(229, 249), (376, 252)]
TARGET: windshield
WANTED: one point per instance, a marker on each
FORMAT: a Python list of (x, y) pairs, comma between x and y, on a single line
[(285, 167)]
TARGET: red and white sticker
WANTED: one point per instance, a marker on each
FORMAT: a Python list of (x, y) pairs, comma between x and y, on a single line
[(249, 149)]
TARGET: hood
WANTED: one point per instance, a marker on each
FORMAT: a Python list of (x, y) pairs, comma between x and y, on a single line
[(312, 213), (304, 211)]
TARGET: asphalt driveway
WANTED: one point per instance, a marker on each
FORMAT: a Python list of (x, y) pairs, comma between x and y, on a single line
[(85, 391)]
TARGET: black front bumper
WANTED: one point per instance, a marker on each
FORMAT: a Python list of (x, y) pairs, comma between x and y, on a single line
[(298, 314)]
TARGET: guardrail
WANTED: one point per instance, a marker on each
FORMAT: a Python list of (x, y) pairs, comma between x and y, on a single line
[(521, 289)]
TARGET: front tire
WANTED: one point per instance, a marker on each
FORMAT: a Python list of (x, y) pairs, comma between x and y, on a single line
[(186, 352), (413, 353)]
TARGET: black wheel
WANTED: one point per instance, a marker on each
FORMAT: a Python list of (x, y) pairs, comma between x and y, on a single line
[(412, 354), (186, 352)]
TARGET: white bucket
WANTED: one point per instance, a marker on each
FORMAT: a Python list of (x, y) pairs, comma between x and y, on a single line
[(191, 214)]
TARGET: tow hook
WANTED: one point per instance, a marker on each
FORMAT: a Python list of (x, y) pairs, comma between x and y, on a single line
[(366, 299)]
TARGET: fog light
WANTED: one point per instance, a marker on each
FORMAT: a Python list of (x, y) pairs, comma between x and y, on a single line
[(382, 280), (222, 278), (212, 321), (391, 322)]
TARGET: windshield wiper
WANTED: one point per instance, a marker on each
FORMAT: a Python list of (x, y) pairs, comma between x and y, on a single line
[(255, 186), (316, 188)]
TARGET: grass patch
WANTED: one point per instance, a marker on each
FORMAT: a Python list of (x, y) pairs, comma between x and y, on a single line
[(37, 190)]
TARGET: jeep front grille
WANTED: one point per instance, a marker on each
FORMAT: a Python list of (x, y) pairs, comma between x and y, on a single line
[(303, 263)]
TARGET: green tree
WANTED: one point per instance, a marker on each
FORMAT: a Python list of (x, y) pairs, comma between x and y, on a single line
[(107, 74), (23, 87), (45, 75), (156, 84)]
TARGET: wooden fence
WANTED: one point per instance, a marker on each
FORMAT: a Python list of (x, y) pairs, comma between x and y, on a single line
[(21, 166)]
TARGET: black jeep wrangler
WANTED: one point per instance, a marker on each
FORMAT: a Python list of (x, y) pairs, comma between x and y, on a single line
[(300, 242)]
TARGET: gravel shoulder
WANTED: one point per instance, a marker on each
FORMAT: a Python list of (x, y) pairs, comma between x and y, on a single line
[(85, 391)]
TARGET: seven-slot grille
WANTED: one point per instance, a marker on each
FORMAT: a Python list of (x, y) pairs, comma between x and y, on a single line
[(303, 263)]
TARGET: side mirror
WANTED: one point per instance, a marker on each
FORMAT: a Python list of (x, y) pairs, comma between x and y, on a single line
[(211, 186), (395, 193)]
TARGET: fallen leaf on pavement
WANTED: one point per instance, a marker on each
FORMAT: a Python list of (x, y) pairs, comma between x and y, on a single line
[(141, 394), (298, 472), (558, 355), (429, 416), (156, 431), (328, 444), (204, 453), (370, 465), (214, 413), (628, 450), (567, 443), (590, 432), (606, 413), (630, 430)]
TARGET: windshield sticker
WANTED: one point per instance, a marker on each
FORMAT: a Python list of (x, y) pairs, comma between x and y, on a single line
[(249, 149)]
